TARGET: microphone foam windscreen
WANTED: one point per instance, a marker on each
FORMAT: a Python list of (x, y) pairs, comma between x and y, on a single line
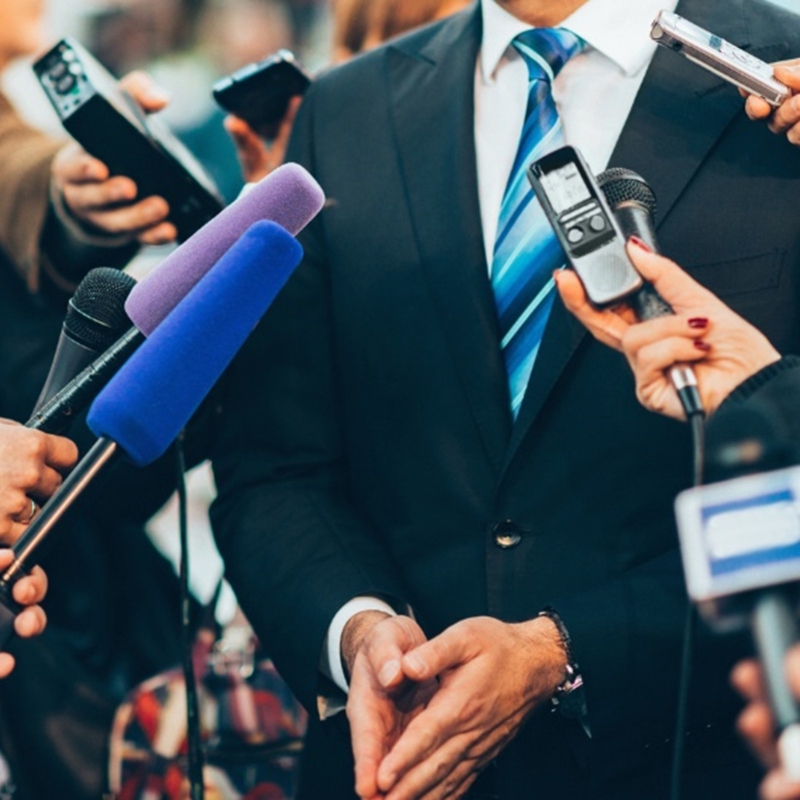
[(96, 312), (288, 196), (153, 396)]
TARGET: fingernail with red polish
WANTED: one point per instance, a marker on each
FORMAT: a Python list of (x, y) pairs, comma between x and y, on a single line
[(701, 345), (640, 243), (698, 322)]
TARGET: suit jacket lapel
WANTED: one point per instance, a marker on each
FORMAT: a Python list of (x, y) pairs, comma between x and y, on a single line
[(432, 102), (679, 114)]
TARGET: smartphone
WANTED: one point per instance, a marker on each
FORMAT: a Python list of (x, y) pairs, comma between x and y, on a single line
[(718, 56), (585, 226), (260, 93)]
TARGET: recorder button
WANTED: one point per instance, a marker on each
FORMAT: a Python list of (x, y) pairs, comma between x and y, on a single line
[(575, 235), (66, 84), (59, 70), (597, 223)]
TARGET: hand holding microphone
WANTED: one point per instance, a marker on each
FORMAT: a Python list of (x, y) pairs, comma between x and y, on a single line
[(32, 466), (724, 348)]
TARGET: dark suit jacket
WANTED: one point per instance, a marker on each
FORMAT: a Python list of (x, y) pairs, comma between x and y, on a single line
[(368, 446)]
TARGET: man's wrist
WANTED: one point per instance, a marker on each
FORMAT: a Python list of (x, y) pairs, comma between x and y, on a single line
[(354, 633), (549, 653)]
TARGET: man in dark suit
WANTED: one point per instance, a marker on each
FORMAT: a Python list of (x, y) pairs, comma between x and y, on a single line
[(371, 449)]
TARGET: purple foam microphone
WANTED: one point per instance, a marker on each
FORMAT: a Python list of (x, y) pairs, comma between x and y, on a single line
[(289, 196)]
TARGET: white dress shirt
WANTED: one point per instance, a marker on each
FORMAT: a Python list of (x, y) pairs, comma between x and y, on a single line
[(594, 94)]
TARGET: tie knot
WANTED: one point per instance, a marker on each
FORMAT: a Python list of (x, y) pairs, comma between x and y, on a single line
[(547, 50)]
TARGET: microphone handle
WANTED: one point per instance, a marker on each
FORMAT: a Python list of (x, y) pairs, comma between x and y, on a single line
[(9, 610), (59, 412), (42, 525), (647, 303), (71, 359), (55, 508), (774, 632)]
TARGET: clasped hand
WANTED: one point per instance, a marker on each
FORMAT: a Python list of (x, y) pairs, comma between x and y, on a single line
[(427, 716)]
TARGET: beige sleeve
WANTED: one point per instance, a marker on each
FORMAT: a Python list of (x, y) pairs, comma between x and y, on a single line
[(26, 156)]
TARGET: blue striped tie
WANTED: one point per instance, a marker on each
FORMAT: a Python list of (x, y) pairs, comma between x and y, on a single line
[(526, 250)]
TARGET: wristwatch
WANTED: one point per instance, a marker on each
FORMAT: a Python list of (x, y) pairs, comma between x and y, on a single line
[(570, 697)]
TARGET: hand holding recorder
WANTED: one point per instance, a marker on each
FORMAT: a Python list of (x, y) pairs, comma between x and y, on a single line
[(257, 156), (262, 101), (724, 348), (785, 119), (111, 206), (769, 88)]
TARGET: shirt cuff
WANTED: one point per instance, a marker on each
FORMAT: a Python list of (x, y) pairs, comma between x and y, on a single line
[(331, 661)]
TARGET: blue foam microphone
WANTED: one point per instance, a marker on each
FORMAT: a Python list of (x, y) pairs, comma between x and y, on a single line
[(153, 396), (150, 400)]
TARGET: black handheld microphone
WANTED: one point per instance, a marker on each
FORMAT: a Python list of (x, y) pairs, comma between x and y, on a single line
[(95, 319), (57, 414), (634, 205)]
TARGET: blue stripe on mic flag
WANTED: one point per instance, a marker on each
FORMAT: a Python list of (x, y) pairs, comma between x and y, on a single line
[(526, 250)]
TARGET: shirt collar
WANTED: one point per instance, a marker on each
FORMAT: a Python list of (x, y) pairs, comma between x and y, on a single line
[(619, 29)]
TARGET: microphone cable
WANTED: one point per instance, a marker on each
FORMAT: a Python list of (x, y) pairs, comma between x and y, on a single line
[(697, 425), (194, 742), (634, 205)]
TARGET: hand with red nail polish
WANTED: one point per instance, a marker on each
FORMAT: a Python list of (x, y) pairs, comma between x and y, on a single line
[(724, 349)]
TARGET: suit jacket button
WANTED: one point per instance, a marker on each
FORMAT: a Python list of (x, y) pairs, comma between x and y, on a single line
[(507, 535)]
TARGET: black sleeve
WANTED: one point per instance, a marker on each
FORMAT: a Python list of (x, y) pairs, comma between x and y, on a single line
[(777, 389), (295, 547)]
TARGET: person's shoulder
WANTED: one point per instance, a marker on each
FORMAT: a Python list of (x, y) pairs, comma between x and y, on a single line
[(366, 68), (769, 22)]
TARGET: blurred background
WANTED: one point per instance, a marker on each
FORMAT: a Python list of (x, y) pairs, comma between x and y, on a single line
[(185, 45)]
